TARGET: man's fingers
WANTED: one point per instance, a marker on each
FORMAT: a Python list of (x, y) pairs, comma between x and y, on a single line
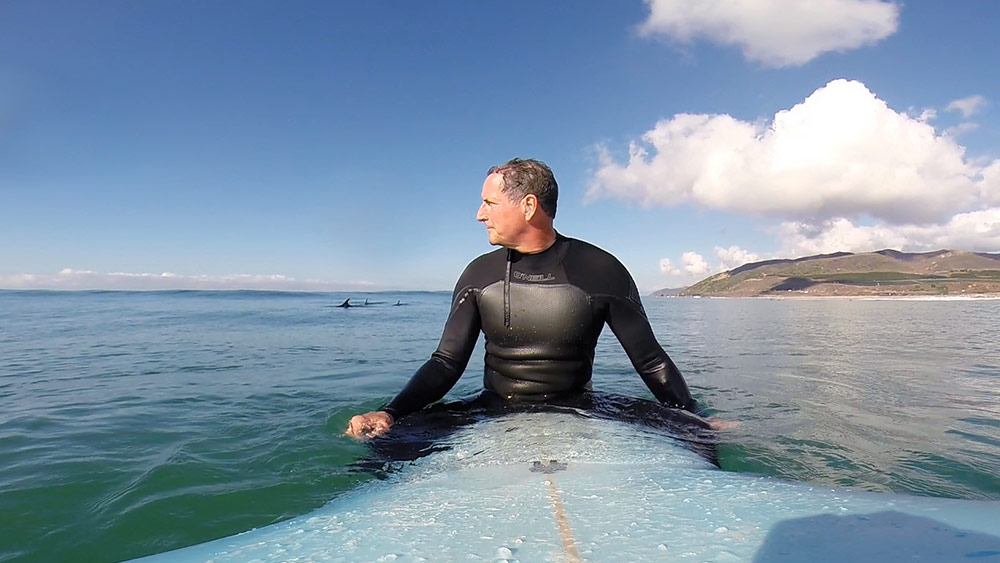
[(716, 424), (368, 425), (356, 426)]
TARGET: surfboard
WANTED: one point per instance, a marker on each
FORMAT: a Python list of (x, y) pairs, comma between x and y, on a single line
[(564, 487)]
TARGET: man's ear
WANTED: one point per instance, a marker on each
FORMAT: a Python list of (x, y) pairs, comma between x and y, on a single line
[(529, 205)]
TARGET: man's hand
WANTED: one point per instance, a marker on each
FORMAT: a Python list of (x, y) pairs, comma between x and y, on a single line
[(369, 425), (722, 425)]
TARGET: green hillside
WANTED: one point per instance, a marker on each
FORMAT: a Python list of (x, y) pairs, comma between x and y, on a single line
[(886, 272)]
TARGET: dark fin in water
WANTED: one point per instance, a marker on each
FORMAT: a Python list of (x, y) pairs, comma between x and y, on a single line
[(346, 303)]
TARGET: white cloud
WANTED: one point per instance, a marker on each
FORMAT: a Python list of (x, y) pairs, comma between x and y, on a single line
[(968, 106), (989, 186), (667, 267), (975, 230), (840, 171), (963, 127), (734, 257), (840, 152), (775, 32), (70, 272), (837, 235), (72, 279), (694, 263)]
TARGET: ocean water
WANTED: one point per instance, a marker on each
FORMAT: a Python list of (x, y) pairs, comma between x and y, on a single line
[(136, 422)]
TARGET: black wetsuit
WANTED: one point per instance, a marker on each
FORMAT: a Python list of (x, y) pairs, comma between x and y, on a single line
[(542, 314)]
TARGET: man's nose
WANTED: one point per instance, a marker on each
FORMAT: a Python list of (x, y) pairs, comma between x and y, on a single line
[(481, 214)]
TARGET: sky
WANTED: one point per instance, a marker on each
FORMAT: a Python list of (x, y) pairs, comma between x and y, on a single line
[(342, 146)]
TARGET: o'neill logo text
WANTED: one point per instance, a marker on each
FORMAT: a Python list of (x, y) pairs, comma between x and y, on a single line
[(532, 277)]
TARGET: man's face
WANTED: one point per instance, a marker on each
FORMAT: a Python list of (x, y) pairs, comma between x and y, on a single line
[(504, 219)]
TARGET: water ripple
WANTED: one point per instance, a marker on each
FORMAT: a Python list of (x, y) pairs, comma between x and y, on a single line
[(132, 423)]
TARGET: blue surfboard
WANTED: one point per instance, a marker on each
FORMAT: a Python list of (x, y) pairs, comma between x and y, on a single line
[(564, 487)]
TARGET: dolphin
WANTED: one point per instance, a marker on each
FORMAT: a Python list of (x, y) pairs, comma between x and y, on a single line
[(346, 303)]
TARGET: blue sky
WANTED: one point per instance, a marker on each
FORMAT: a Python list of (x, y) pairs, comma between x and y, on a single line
[(336, 145)]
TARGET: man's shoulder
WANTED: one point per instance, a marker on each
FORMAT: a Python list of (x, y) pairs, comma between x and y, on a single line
[(597, 271), (494, 256), (592, 255), (484, 268)]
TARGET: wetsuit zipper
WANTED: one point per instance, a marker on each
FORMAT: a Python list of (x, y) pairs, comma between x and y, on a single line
[(506, 293)]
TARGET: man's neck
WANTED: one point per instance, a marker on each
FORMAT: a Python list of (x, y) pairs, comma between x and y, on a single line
[(537, 241)]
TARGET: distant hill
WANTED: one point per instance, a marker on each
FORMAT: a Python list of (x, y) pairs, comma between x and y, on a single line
[(886, 272), (667, 292)]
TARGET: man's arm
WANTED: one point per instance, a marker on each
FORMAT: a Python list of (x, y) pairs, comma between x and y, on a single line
[(438, 374), (628, 321)]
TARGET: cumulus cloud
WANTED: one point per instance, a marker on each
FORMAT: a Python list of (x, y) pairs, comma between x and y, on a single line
[(734, 257), (72, 279), (975, 230), (775, 32), (989, 187), (692, 264), (842, 151), (667, 267), (836, 235), (963, 127), (928, 114), (839, 171), (967, 106)]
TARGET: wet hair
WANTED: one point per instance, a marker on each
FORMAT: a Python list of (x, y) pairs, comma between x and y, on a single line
[(523, 176)]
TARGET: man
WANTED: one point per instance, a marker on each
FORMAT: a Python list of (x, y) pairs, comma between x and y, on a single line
[(542, 301)]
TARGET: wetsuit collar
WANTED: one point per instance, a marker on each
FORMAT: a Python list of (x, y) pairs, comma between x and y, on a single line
[(515, 255)]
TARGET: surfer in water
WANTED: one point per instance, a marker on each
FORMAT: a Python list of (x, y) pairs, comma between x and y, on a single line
[(542, 301)]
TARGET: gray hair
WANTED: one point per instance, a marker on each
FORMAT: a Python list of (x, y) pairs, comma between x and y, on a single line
[(523, 176)]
